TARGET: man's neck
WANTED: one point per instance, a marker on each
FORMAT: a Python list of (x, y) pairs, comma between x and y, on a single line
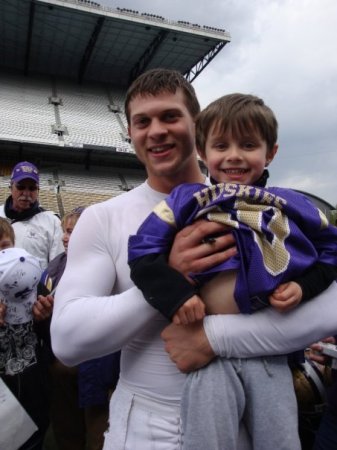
[(167, 184)]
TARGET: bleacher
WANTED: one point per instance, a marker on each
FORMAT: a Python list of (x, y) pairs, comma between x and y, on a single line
[(24, 111), (87, 117), (61, 112)]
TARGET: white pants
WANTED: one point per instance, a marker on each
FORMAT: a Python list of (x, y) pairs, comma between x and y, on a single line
[(140, 423)]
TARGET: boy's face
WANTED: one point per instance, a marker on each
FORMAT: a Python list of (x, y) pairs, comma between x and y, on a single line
[(68, 227), (163, 134), (6, 242), (236, 160)]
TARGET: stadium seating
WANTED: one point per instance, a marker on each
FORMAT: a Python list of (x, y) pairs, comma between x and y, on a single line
[(24, 111), (61, 113)]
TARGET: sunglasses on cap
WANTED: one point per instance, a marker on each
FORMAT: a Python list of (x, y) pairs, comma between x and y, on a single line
[(23, 187)]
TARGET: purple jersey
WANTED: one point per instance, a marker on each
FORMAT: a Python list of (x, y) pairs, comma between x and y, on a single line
[(279, 234)]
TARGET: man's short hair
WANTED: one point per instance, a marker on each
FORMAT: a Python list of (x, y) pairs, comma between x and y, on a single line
[(156, 81)]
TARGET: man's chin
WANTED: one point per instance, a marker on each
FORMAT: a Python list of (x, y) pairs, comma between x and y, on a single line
[(25, 205)]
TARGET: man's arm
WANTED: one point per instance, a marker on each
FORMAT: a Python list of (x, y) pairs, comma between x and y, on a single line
[(88, 321), (263, 333), (266, 332), (269, 332)]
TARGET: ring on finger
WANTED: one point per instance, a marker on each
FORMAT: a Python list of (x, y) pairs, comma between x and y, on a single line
[(208, 240)]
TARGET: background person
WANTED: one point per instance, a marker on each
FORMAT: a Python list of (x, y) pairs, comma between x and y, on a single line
[(97, 308), (23, 367), (79, 395), (36, 230), (326, 435)]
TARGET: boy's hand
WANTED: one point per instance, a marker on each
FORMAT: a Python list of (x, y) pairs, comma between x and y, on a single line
[(191, 311), (43, 307), (3, 309), (286, 296)]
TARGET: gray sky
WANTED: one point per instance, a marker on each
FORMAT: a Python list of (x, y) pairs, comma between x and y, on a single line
[(285, 52)]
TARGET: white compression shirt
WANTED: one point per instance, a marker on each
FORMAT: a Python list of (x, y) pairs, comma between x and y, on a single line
[(269, 332), (98, 311)]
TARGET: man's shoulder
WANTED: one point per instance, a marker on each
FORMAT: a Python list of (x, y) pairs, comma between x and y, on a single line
[(2, 211), (49, 213), (136, 195)]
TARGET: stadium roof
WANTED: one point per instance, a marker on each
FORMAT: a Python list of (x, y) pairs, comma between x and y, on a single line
[(85, 41)]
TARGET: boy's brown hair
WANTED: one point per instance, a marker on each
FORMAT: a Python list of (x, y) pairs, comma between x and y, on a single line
[(6, 230), (156, 81), (238, 114)]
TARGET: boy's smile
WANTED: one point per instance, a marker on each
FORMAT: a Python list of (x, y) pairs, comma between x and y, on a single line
[(236, 160)]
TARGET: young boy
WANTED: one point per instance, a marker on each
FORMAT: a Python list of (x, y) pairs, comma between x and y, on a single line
[(22, 365), (287, 253)]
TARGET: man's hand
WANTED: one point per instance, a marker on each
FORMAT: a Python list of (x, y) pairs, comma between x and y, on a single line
[(191, 311), (286, 296), (43, 307), (316, 348), (191, 252), (187, 346)]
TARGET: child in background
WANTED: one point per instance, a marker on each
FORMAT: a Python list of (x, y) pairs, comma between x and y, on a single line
[(22, 365), (287, 253), (80, 395)]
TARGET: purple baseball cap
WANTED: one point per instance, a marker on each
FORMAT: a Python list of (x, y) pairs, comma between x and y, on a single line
[(24, 170)]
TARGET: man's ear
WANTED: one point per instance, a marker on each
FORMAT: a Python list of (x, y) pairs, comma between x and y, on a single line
[(271, 154)]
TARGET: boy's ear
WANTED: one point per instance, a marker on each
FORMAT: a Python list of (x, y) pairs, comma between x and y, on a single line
[(271, 154), (202, 155)]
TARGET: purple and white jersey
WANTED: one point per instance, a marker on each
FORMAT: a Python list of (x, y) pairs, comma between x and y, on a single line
[(279, 233)]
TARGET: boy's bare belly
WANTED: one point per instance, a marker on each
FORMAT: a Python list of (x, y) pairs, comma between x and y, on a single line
[(218, 294)]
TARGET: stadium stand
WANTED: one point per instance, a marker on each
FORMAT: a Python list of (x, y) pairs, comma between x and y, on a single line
[(64, 71), (25, 114), (87, 117)]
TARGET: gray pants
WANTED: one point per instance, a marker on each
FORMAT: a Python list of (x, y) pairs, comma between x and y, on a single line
[(257, 391)]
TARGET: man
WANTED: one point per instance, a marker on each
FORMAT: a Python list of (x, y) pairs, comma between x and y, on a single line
[(98, 310), (37, 231)]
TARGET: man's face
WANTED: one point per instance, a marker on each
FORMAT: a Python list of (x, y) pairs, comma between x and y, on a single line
[(163, 134), (24, 194)]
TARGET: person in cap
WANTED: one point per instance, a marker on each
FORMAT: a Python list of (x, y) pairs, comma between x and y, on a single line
[(23, 368), (36, 230)]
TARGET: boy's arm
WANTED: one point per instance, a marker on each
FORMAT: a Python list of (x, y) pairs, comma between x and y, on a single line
[(163, 287), (316, 279)]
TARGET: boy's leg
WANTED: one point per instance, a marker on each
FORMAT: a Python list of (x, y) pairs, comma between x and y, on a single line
[(212, 407), (271, 408)]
